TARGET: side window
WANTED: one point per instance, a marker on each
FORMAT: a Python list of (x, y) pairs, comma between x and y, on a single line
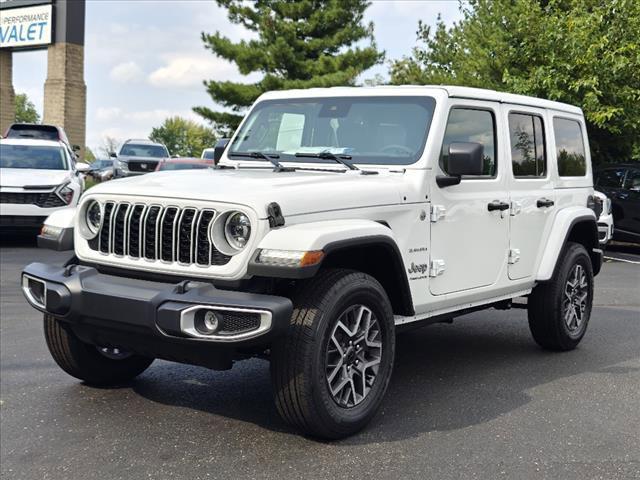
[(569, 148), (471, 125), (610, 178), (528, 154), (632, 182)]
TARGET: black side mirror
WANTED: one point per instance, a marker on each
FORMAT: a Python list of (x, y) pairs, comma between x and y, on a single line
[(465, 158), (76, 148), (113, 155), (218, 150)]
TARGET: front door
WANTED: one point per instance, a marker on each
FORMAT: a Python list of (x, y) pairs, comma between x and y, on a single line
[(469, 229), (532, 190)]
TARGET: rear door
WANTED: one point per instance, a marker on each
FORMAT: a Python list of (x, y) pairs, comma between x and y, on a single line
[(629, 199), (532, 189)]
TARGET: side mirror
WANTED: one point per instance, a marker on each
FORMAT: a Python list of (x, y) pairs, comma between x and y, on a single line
[(465, 158), (113, 155), (76, 148), (218, 150), (82, 167)]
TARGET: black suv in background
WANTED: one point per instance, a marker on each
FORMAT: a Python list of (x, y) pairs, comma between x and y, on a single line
[(137, 157), (621, 183)]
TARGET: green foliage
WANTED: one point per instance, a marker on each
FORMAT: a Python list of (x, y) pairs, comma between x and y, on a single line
[(25, 110), (183, 137), (89, 157), (301, 44), (582, 52)]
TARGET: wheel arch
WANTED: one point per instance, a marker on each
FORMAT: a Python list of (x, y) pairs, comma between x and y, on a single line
[(573, 225), (362, 245)]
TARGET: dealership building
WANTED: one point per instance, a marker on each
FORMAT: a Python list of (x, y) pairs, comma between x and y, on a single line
[(58, 27)]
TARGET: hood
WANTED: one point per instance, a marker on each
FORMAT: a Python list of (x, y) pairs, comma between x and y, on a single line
[(297, 192), (20, 177)]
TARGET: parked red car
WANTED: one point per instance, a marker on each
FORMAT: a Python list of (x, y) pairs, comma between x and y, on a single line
[(184, 164)]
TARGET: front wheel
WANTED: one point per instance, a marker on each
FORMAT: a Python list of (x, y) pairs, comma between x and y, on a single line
[(559, 310), (331, 370), (100, 366)]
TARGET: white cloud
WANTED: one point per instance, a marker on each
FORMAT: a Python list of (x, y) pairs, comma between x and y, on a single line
[(126, 72), (107, 114), (190, 70)]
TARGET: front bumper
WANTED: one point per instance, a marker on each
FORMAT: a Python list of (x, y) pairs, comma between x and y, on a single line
[(155, 319)]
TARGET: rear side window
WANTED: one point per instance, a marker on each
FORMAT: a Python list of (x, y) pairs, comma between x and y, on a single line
[(569, 148), (610, 178), (471, 125), (528, 153)]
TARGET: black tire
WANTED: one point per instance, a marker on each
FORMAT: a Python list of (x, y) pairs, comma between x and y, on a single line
[(84, 361), (548, 303), (300, 360)]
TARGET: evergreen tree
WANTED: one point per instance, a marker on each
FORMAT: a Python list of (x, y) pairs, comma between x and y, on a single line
[(299, 44), (582, 52)]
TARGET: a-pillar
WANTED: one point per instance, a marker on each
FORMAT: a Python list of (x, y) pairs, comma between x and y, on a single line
[(7, 94), (65, 93)]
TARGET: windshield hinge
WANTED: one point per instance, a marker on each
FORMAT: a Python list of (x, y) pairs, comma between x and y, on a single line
[(274, 214)]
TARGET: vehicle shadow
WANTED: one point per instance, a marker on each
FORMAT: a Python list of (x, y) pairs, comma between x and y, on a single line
[(22, 240), (446, 377), (620, 247)]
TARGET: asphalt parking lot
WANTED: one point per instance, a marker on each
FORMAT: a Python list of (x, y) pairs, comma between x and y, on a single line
[(475, 399)]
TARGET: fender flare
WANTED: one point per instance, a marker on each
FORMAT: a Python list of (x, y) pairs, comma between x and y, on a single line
[(563, 224), (332, 237)]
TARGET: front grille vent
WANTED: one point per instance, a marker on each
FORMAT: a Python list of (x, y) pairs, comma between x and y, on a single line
[(42, 200), (162, 233)]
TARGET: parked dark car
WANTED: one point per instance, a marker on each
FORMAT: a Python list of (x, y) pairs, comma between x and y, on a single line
[(37, 131), (621, 183), (101, 169)]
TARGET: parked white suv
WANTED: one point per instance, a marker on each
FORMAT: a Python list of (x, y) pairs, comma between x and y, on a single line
[(37, 178), (336, 216)]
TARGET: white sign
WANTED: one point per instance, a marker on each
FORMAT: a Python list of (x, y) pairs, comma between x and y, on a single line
[(25, 27)]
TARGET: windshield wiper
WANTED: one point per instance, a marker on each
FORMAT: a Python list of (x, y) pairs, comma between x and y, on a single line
[(269, 157), (327, 155)]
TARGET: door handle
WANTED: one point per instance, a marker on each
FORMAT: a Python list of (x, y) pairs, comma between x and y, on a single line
[(544, 203), (497, 205)]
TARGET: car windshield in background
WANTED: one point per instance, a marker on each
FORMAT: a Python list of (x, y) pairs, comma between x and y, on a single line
[(182, 166), (154, 151), (378, 130), (37, 157), (99, 164), (208, 155)]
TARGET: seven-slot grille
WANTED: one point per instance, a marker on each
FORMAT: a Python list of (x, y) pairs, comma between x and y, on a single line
[(154, 232)]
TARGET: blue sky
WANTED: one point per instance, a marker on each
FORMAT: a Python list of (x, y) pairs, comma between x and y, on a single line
[(144, 60)]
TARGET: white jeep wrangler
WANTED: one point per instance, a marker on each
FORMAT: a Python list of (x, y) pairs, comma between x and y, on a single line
[(335, 217)]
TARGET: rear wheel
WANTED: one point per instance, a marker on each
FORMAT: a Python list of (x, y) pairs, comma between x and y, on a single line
[(559, 310), (331, 370), (103, 366)]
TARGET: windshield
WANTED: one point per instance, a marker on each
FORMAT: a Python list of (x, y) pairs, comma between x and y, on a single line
[(371, 130), (182, 166), (26, 156), (133, 150), (102, 163), (208, 154)]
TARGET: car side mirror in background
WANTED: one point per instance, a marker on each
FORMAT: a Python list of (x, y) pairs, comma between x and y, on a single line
[(113, 155), (465, 158), (82, 167), (76, 148), (218, 150)]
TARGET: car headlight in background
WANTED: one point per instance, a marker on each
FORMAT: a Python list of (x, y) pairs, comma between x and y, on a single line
[(90, 219), (230, 232), (65, 192), (237, 230)]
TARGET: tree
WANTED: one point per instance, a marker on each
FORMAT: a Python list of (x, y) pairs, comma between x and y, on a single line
[(303, 44), (109, 146), (89, 157), (582, 52), (183, 137), (25, 110)]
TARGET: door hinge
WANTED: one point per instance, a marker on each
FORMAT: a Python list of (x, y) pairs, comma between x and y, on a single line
[(437, 212), (514, 255), (516, 208), (436, 268)]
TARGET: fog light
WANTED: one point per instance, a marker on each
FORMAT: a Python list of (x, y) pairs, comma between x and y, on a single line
[(206, 322), (35, 290)]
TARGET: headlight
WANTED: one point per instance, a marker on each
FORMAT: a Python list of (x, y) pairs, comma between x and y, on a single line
[(237, 230), (91, 219), (65, 192)]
